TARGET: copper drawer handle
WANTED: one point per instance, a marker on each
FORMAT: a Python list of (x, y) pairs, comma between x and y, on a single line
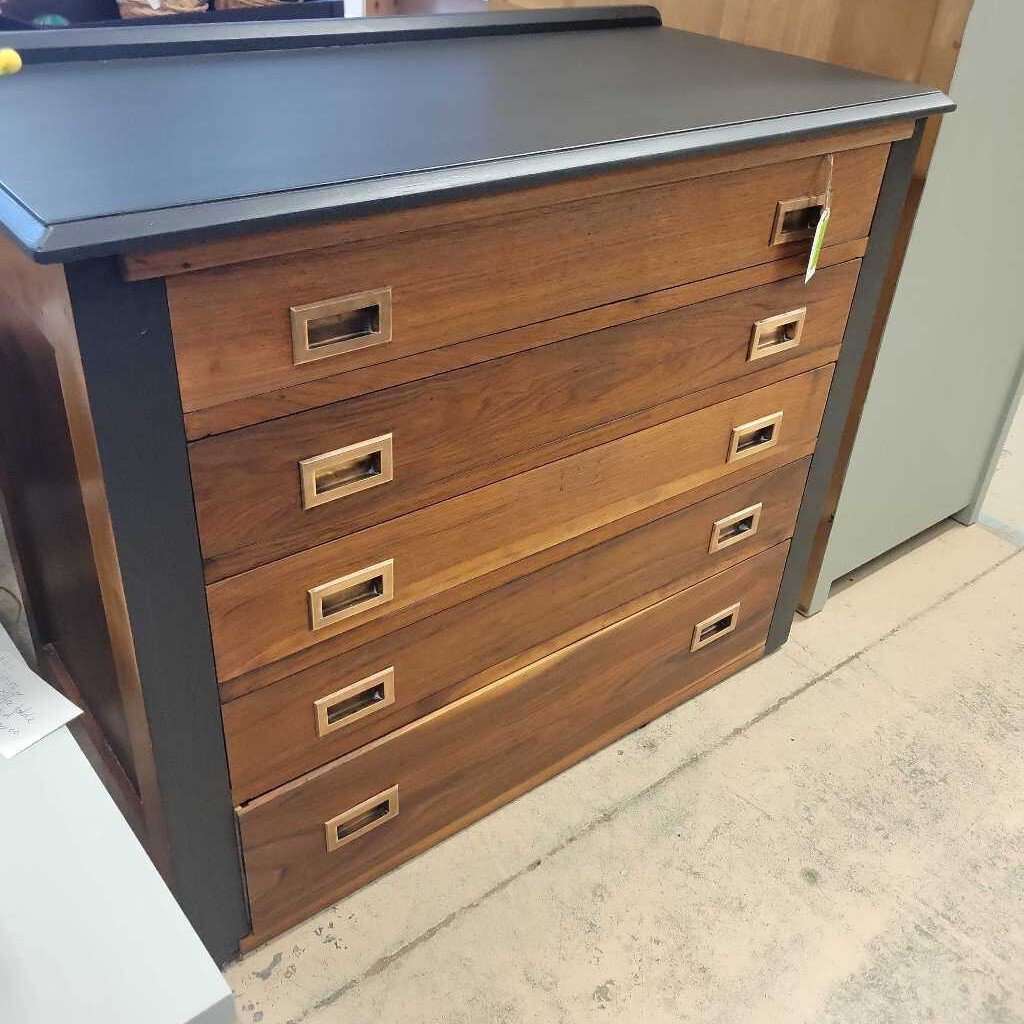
[(755, 437), (345, 471), (362, 818), (714, 627), (732, 529), (350, 703), (776, 334), (796, 220), (333, 327), (352, 594)]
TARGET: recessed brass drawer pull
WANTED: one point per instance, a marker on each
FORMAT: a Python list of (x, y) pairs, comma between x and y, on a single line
[(352, 594), (350, 703), (718, 625), (755, 437), (776, 334), (345, 471), (362, 818), (732, 529), (797, 219), (333, 327)]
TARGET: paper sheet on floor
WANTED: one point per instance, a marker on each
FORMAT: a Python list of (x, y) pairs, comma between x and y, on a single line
[(29, 707)]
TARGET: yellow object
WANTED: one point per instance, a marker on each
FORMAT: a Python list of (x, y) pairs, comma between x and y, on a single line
[(10, 61)]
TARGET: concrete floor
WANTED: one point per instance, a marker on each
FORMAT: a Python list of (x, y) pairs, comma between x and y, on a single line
[(835, 835)]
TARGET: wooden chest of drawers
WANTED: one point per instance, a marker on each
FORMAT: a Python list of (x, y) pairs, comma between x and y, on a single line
[(351, 529)]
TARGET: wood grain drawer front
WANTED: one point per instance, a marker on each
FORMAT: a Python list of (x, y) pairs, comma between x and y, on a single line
[(269, 490), (471, 756), (233, 326), (344, 703), (266, 613)]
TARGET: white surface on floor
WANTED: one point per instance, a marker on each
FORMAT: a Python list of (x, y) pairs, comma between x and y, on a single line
[(835, 835)]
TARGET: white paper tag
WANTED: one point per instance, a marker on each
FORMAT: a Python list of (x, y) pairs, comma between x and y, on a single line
[(29, 707)]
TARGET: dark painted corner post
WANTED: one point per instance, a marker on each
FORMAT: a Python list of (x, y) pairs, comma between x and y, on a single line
[(128, 358), (888, 213)]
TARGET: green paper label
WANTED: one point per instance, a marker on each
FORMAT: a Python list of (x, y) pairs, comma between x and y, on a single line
[(818, 244)]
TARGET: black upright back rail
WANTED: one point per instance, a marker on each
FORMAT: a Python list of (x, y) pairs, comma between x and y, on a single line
[(103, 43), (223, 129)]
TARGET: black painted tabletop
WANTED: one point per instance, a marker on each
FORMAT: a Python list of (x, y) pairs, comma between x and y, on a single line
[(106, 155)]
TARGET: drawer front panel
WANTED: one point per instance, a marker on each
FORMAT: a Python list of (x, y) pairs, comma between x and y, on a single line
[(269, 612), (236, 329), (441, 772), (272, 489), (316, 716)]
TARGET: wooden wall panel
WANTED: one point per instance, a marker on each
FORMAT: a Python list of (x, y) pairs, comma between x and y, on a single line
[(916, 40), (872, 35)]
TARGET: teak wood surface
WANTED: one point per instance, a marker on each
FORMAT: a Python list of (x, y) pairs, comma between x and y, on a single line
[(181, 259), (914, 40), (463, 281), (262, 615), (62, 526), (773, 459), (89, 734), (463, 761), (328, 390), (461, 430), (445, 656)]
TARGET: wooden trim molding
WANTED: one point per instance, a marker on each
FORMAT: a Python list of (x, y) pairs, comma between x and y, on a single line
[(38, 296), (90, 738)]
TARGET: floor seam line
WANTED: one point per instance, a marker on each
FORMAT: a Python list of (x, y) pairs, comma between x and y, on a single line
[(384, 962), (1003, 530)]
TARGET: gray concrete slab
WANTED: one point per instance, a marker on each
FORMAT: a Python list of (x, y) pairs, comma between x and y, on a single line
[(851, 853), (832, 836)]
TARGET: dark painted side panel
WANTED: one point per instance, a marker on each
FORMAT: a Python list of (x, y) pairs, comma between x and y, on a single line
[(892, 196), (125, 343)]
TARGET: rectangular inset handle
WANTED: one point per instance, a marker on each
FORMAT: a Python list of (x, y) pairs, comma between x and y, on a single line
[(350, 703), (714, 627), (776, 334), (333, 327), (351, 595), (734, 528), (345, 471), (362, 818), (755, 437), (796, 220)]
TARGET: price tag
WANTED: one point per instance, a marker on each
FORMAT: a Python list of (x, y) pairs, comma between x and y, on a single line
[(822, 229), (818, 243)]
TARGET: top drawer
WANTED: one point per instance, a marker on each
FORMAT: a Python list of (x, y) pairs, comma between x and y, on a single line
[(270, 324)]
